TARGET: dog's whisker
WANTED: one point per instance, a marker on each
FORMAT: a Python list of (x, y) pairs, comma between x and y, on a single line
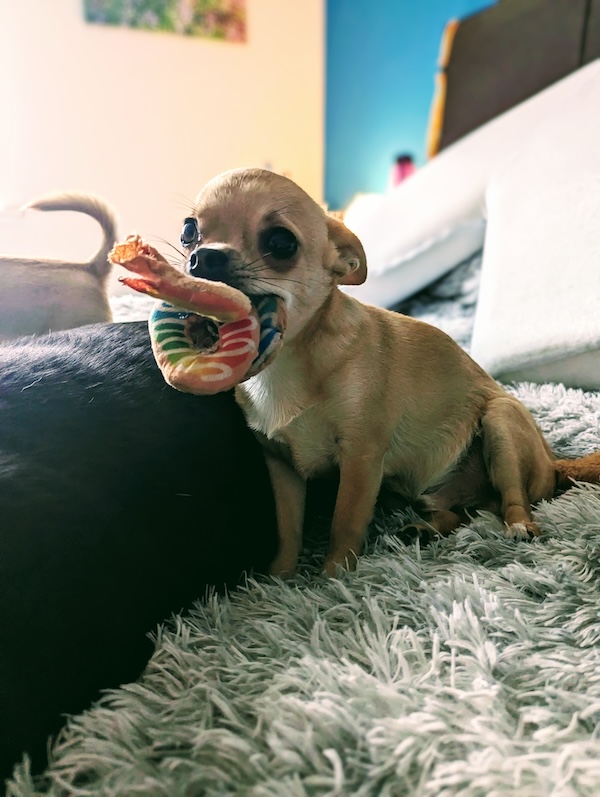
[(257, 272), (168, 243), (172, 262), (252, 262), (186, 203), (266, 286), (276, 278)]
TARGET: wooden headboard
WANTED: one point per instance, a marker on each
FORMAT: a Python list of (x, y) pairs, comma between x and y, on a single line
[(503, 55)]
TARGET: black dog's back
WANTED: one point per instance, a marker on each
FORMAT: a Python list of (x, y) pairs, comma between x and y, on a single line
[(121, 500)]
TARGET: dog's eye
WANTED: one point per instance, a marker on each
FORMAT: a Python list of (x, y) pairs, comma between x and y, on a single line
[(279, 242), (189, 234)]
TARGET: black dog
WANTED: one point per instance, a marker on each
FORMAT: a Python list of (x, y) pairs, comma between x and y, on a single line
[(121, 500)]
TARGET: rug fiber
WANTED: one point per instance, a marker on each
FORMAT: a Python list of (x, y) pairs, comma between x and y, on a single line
[(469, 668)]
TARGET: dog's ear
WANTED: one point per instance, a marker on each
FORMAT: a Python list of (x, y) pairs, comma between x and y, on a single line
[(351, 264)]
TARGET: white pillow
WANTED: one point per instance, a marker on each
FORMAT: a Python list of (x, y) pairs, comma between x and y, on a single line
[(388, 284), (435, 219), (538, 314)]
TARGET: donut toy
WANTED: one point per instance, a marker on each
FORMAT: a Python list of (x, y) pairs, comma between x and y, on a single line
[(206, 336), (174, 334)]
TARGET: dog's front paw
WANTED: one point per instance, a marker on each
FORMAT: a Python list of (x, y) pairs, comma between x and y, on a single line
[(522, 530), (283, 567), (344, 560)]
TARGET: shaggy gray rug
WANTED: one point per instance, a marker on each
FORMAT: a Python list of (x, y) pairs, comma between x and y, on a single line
[(470, 668)]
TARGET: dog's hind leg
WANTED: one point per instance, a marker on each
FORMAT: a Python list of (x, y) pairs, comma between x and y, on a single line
[(518, 461)]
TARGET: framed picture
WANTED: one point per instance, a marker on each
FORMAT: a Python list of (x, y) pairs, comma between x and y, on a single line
[(213, 19)]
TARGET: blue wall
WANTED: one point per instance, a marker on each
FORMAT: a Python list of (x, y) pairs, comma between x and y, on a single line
[(380, 64)]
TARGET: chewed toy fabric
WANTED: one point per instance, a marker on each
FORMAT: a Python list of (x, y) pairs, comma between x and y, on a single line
[(206, 336)]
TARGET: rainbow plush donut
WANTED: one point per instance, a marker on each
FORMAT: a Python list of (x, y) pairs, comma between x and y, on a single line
[(197, 370), (206, 336)]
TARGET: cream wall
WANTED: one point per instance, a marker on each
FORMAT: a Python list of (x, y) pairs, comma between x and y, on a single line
[(144, 119)]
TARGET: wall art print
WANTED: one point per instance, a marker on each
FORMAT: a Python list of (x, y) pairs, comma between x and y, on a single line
[(214, 19)]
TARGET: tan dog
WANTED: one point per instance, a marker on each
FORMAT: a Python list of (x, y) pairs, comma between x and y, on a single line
[(379, 397), (39, 296)]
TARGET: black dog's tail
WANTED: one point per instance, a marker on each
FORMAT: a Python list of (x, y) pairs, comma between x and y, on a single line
[(94, 207)]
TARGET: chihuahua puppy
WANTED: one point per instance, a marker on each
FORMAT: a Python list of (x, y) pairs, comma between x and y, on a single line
[(375, 396), (39, 296)]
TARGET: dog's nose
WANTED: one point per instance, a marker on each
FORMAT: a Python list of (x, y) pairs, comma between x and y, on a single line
[(209, 263)]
